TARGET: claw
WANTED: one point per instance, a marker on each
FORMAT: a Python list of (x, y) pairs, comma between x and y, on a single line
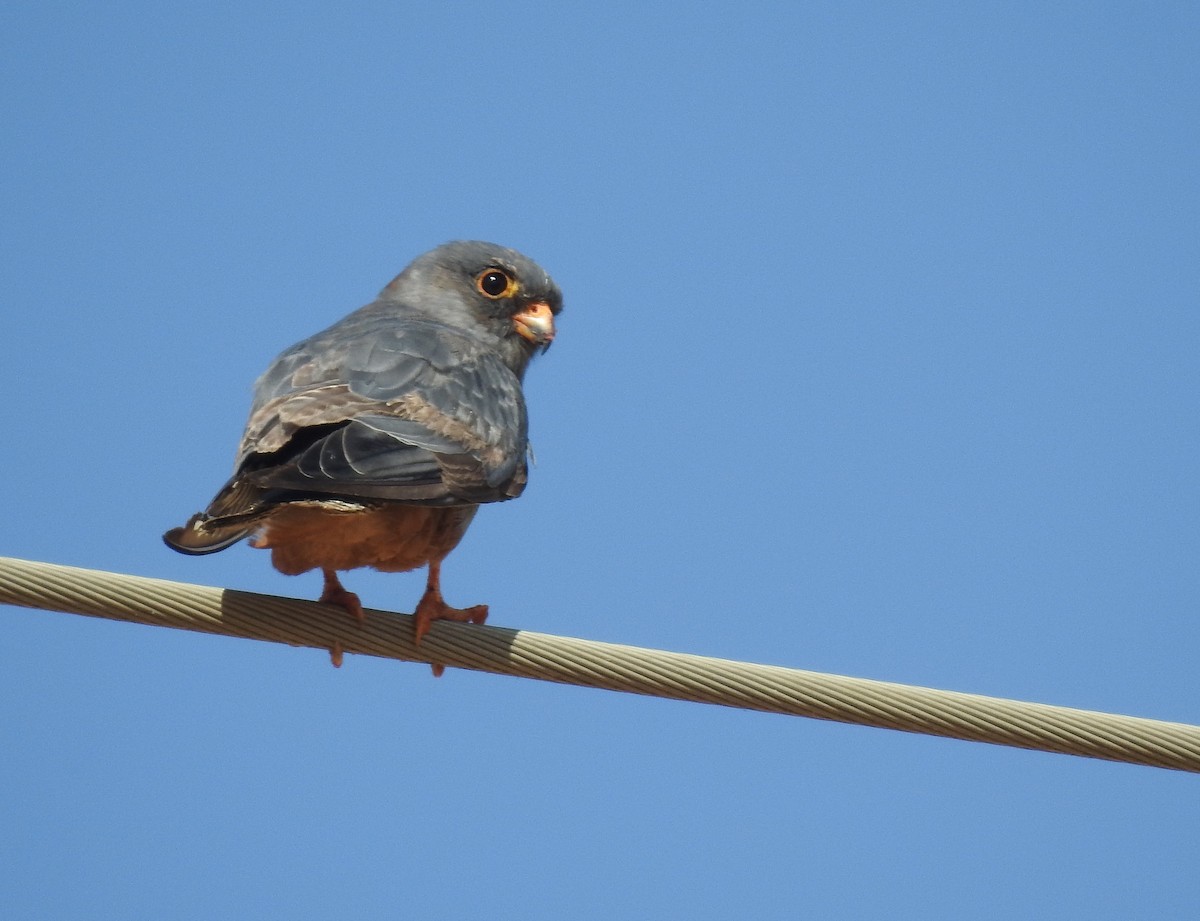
[(334, 593), (432, 606)]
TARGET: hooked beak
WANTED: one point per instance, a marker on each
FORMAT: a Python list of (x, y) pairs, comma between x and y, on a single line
[(536, 323)]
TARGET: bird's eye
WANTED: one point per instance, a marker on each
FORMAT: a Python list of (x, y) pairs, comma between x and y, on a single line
[(495, 283)]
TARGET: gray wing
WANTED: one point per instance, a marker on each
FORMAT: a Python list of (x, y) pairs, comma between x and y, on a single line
[(401, 409)]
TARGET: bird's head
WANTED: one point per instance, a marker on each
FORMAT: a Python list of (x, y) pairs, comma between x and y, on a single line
[(486, 289)]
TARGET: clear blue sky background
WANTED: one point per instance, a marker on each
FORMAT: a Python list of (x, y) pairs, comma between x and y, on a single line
[(879, 358)]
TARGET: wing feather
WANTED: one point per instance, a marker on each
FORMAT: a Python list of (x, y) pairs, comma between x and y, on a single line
[(386, 408)]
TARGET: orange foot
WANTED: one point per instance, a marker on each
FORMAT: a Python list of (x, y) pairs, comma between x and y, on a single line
[(334, 593), (433, 607)]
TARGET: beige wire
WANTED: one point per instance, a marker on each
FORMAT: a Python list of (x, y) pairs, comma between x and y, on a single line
[(604, 665)]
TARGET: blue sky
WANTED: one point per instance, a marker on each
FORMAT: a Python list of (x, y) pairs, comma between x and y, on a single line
[(879, 357)]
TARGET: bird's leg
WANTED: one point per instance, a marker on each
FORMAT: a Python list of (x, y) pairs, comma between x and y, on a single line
[(334, 593), (432, 606)]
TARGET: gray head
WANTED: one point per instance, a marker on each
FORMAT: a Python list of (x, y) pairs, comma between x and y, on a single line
[(484, 288)]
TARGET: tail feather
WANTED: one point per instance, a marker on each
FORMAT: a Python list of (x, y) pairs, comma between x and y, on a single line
[(234, 513), (205, 535)]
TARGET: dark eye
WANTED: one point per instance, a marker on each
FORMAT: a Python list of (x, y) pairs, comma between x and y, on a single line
[(494, 283)]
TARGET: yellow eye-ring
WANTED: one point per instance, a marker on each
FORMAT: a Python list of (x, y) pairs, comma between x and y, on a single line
[(495, 283)]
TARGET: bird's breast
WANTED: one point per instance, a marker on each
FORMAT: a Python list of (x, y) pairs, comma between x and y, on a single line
[(392, 538)]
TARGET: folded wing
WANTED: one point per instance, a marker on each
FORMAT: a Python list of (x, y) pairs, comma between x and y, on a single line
[(373, 409)]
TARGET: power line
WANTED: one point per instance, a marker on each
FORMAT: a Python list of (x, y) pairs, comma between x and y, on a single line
[(632, 669)]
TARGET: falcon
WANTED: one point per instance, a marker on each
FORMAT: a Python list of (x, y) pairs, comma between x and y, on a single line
[(374, 442)]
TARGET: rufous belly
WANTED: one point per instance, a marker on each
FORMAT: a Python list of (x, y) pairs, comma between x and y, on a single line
[(390, 538)]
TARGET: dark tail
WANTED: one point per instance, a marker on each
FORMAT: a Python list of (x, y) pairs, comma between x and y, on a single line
[(235, 512), (204, 535)]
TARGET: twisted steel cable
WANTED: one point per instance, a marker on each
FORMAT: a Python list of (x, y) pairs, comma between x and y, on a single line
[(610, 666)]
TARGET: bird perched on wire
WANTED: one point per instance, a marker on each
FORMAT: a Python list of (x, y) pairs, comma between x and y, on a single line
[(374, 442)]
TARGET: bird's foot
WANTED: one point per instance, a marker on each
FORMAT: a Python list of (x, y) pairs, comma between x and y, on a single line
[(432, 607), (334, 593)]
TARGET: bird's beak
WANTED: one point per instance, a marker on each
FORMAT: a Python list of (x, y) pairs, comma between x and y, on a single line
[(536, 323)]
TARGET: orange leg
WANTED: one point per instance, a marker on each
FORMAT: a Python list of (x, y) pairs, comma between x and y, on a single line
[(334, 593), (432, 606)]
